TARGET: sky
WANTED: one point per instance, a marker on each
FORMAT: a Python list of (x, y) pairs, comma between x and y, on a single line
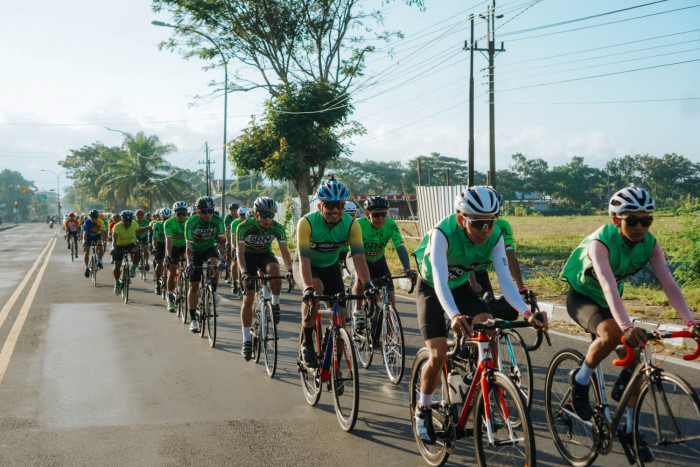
[(583, 88)]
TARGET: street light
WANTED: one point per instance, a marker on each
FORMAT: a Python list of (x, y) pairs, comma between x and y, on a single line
[(223, 58), (58, 191)]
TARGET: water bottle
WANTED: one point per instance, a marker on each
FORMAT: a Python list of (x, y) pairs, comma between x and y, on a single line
[(457, 386), (621, 384)]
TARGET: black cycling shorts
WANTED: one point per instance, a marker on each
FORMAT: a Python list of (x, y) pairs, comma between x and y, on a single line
[(380, 268), (177, 253), (255, 262), (330, 277), (199, 257), (431, 316), (586, 311), (119, 251), (159, 252)]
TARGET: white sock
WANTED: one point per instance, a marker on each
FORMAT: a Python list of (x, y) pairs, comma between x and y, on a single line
[(275, 299), (630, 416), (246, 334), (584, 374), (425, 399)]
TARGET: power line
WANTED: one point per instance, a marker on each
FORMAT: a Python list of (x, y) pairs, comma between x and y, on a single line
[(633, 101)]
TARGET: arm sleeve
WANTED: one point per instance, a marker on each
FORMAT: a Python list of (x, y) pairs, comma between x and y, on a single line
[(508, 288), (599, 255), (355, 239), (304, 238), (668, 283), (438, 258)]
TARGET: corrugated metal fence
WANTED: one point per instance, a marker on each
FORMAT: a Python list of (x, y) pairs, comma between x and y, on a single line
[(435, 203)]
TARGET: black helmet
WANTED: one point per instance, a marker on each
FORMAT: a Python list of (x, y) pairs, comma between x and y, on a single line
[(205, 202), (127, 216), (265, 204), (376, 202), (94, 213), (233, 206)]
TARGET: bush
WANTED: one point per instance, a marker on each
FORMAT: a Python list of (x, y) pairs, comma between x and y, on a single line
[(683, 246)]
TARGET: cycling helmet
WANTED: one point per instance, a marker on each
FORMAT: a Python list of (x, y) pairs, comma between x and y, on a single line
[(179, 205), (72, 214), (127, 216), (351, 208), (478, 201), (140, 212), (94, 213), (498, 195), (376, 202), (332, 190), (166, 212), (265, 204), (233, 206), (205, 202), (631, 199), (249, 213), (242, 211)]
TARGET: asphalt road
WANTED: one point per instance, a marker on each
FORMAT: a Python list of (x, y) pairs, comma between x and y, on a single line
[(87, 380)]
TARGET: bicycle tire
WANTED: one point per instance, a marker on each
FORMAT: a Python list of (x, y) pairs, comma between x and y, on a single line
[(674, 435), (516, 365), (181, 297), (142, 264), (393, 345), (72, 250), (363, 340), (210, 316), (269, 341), (310, 377), (125, 282), (93, 270), (164, 282), (572, 438), (516, 450), (344, 379), (255, 333), (438, 453)]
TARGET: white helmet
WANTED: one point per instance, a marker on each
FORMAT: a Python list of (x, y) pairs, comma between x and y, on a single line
[(242, 211), (631, 199), (478, 201), (166, 212), (179, 205), (350, 207)]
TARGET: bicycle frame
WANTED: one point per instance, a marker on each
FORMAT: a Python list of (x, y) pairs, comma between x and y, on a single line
[(337, 322)]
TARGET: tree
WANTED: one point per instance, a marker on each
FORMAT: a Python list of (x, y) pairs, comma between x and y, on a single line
[(669, 177), (574, 181), (533, 174), (12, 185)]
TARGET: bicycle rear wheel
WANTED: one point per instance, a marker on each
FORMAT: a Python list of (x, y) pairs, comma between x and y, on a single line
[(269, 341), (363, 341), (393, 347), (142, 264), (572, 436), (310, 377), (511, 445), (667, 418), (434, 454), (344, 380), (515, 362)]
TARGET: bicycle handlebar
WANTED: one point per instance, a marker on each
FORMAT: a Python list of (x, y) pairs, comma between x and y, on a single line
[(379, 280), (658, 335), (268, 278)]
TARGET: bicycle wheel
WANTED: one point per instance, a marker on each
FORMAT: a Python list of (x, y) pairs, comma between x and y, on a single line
[(344, 380), (208, 316), (164, 283), (255, 335), (363, 341), (572, 436), (434, 454), (181, 297), (72, 250), (125, 282), (393, 347), (269, 341), (515, 362), (93, 270), (511, 445), (667, 417), (310, 377), (142, 265)]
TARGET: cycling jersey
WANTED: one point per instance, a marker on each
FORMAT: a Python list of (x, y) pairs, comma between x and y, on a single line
[(463, 256), (624, 261), (159, 232), (321, 243), (72, 225), (93, 230), (144, 223), (126, 236), (229, 219), (201, 235), (507, 240), (175, 230), (259, 240), (375, 240)]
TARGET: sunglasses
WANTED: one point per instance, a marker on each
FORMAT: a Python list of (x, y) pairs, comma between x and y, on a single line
[(378, 214), (482, 224), (206, 211), (180, 213), (334, 205), (263, 215), (633, 221)]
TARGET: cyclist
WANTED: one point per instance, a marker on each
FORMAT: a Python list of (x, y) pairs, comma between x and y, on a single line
[(596, 271), (351, 209), (175, 246), (142, 238), (124, 241), (158, 245), (446, 256), (230, 218), (204, 231), (94, 233), (377, 230), (254, 253), (320, 235), (72, 226)]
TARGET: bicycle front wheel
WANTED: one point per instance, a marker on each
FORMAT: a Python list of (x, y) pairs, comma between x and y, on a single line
[(667, 420), (93, 270), (181, 298), (393, 347), (344, 380), (255, 335), (572, 436), (363, 341), (515, 362), (125, 282), (142, 265), (507, 444), (310, 377), (269, 341), (208, 315)]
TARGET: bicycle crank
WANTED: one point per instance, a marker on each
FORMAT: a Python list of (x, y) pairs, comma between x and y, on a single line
[(602, 433)]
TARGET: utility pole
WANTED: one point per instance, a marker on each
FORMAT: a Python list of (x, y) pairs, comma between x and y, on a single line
[(207, 163), (471, 46), (490, 18)]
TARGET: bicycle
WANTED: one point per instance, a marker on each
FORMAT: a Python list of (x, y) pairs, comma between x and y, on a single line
[(263, 333), (206, 304), (673, 437), (164, 279), (73, 248), (492, 398), (92, 263), (142, 260), (182, 286), (126, 278), (382, 327), (335, 351)]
